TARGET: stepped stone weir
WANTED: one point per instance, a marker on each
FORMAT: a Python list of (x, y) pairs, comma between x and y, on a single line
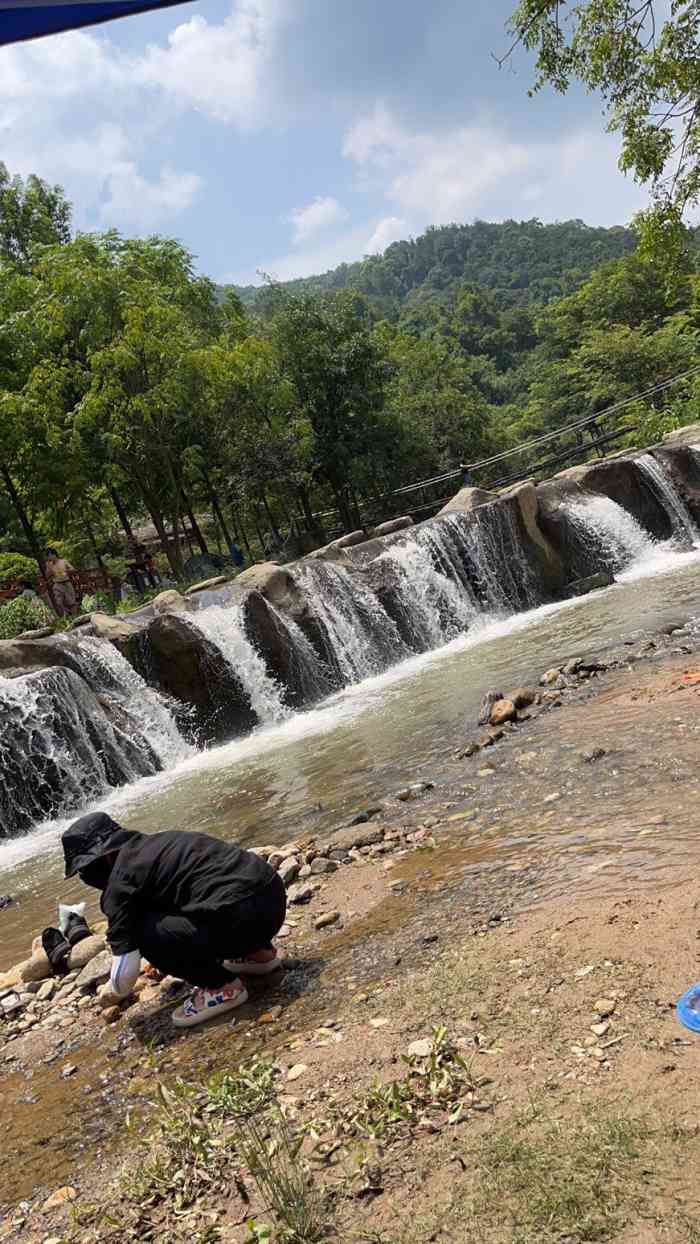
[(83, 713)]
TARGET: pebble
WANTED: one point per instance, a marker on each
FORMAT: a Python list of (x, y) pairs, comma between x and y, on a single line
[(420, 1049), (68, 1071), (329, 917), (300, 893), (604, 1007), (321, 865), (379, 1023), (289, 869), (298, 1070), (269, 1017), (600, 1029), (414, 791), (58, 1198)]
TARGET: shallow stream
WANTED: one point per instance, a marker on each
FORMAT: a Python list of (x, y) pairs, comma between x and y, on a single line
[(317, 768)]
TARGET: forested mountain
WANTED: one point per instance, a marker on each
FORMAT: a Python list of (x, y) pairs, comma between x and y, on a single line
[(131, 388), (521, 262)]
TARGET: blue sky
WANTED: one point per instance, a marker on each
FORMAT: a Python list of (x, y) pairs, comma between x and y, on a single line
[(287, 136)]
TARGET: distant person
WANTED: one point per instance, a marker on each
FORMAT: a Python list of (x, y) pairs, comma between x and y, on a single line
[(236, 554), (467, 477), (29, 593), (58, 574), (195, 907), (141, 566)]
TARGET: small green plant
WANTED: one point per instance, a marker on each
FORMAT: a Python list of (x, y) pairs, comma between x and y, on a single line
[(271, 1149), (99, 602), (438, 1084), (20, 615), (186, 1154), (258, 1232), (16, 568)]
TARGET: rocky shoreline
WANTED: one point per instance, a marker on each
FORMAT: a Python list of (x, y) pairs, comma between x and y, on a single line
[(408, 879), (31, 998)]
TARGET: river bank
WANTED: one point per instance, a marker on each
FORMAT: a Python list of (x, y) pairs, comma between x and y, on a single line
[(494, 923)]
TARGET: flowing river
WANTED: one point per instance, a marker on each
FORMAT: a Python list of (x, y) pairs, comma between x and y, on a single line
[(315, 769)]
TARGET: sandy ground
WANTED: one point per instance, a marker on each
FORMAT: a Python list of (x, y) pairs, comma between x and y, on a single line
[(549, 921)]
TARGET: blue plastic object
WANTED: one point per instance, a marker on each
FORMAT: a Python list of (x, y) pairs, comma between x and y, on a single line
[(28, 19), (688, 1008)]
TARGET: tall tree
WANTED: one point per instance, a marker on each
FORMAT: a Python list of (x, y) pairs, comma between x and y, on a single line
[(645, 63), (31, 213)]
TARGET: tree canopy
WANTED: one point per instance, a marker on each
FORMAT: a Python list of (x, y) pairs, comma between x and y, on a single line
[(643, 60), (131, 390)]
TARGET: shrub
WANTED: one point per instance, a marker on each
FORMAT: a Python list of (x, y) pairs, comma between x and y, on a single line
[(20, 615), (15, 567)]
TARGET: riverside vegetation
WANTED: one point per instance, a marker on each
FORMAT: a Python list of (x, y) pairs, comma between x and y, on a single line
[(130, 385)]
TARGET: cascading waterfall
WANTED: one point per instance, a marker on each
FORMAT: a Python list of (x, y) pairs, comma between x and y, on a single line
[(310, 674), (617, 538), (108, 673), (224, 628), (362, 639), (432, 586), (69, 734), (683, 523), (493, 545), (59, 749)]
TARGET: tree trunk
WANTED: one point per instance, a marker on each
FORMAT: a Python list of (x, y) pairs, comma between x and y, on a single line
[(27, 528), (93, 544), (356, 507), (244, 535), (256, 524), (219, 516), (314, 525), (123, 516), (199, 537), (271, 518)]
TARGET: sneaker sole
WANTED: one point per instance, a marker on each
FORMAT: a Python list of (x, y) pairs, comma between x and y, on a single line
[(252, 969), (203, 1017)]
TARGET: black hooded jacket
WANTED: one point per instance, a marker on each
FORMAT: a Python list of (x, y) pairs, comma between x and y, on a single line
[(171, 872)]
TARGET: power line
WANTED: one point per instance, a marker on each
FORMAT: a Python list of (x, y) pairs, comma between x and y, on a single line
[(582, 423)]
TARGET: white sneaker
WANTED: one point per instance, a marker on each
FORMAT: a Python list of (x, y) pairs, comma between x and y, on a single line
[(205, 1004)]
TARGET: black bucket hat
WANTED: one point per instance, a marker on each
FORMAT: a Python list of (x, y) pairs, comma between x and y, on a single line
[(87, 839)]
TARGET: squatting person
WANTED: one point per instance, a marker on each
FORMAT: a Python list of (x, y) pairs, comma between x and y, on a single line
[(196, 908)]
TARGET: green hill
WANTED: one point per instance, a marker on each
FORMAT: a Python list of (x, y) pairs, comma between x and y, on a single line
[(521, 262)]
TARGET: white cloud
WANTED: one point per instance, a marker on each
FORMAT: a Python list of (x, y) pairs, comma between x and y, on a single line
[(390, 229), (224, 70), (317, 217), (455, 173), (79, 110)]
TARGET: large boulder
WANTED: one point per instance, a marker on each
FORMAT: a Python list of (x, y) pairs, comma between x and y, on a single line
[(330, 553), (621, 479), (114, 629), (275, 583), (394, 524), (169, 601), (681, 463), (190, 668), (515, 563), (30, 654), (689, 435), (296, 667), (467, 499), (349, 540)]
